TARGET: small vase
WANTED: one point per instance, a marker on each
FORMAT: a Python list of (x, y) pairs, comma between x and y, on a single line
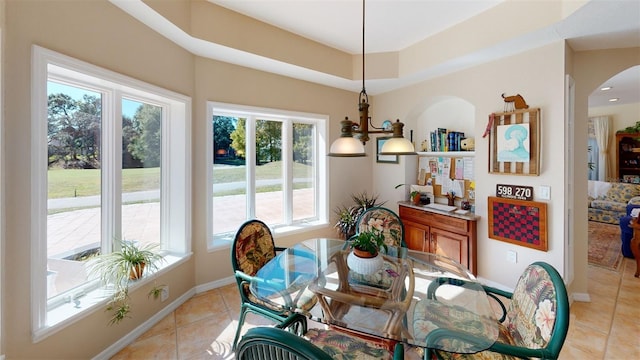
[(364, 266)]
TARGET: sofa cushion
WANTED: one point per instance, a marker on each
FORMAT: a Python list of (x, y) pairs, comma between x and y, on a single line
[(609, 205), (622, 192)]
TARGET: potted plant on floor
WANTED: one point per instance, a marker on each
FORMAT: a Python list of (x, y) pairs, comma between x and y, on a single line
[(348, 215), (365, 255), (118, 268)]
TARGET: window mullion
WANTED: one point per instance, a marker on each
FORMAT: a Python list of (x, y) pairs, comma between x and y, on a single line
[(287, 169), (111, 171), (165, 179), (250, 163)]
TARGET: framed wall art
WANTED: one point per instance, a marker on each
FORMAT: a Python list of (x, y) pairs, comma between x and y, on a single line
[(392, 159), (514, 142), (518, 222)]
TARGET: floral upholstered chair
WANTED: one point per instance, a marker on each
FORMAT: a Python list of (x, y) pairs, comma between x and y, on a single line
[(534, 325), (385, 220), (252, 248), (380, 219), (275, 344)]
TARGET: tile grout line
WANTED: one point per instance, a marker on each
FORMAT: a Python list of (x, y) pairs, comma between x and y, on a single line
[(621, 272)]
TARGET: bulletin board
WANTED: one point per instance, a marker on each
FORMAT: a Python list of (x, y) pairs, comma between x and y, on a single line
[(430, 166), (518, 222)]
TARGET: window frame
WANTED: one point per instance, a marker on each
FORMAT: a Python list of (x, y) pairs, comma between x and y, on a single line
[(175, 221), (321, 171)]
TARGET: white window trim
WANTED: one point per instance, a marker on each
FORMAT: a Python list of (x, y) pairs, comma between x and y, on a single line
[(176, 172), (322, 173)]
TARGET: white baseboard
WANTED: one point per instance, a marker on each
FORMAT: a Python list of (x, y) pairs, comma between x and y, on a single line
[(215, 284), (494, 284), (581, 297), (144, 327)]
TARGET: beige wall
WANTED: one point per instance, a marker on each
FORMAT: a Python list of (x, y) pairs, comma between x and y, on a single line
[(223, 82), (2, 178), (101, 34), (98, 33), (590, 69), (538, 75)]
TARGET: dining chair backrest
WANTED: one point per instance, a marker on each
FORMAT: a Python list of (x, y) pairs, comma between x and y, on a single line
[(538, 315), (535, 324), (276, 344), (381, 218), (252, 247)]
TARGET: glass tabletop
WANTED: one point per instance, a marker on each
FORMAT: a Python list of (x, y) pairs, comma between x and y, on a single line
[(422, 299)]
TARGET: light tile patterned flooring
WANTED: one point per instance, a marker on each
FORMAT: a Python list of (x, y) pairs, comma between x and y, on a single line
[(203, 327)]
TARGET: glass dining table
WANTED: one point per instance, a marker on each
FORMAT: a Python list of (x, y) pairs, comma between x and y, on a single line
[(417, 298)]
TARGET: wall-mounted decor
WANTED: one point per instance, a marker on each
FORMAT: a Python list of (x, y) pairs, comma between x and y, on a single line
[(518, 222), (514, 142), (392, 159)]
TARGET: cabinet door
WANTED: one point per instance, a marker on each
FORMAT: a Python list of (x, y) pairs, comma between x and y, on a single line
[(416, 236), (452, 245)]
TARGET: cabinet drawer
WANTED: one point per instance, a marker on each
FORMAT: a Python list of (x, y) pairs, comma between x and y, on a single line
[(450, 223), (419, 216)]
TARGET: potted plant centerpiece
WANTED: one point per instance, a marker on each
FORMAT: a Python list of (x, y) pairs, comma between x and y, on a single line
[(118, 268), (365, 256)]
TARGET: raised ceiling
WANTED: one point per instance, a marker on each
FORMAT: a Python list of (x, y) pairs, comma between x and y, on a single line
[(400, 26)]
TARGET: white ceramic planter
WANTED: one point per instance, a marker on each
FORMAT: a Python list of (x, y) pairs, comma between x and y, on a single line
[(364, 266)]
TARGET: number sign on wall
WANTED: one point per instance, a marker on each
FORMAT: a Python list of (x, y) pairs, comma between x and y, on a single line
[(514, 192)]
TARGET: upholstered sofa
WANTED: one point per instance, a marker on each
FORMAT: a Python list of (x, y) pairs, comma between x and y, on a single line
[(608, 201)]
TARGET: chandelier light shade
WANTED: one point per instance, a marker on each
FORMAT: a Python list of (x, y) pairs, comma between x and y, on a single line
[(397, 145), (349, 146), (346, 145)]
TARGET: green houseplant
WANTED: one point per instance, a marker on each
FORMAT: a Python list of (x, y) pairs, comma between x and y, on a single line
[(348, 215), (367, 243), (365, 258), (414, 195), (118, 268)]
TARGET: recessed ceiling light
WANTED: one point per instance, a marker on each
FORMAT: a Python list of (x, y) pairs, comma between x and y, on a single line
[(613, 99), (606, 88)]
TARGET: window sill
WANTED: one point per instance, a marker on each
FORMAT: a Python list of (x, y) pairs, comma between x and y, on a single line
[(224, 241), (69, 313)]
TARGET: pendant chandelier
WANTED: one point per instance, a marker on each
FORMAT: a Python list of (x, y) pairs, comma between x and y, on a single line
[(348, 146)]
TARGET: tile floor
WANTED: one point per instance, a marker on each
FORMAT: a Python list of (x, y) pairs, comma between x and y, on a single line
[(203, 328)]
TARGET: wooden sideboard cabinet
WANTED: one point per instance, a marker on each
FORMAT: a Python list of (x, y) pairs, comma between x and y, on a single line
[(628, 157), (451, 235)]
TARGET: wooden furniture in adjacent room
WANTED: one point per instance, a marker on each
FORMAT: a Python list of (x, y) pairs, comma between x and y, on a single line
[(628, 157), (443, 233), (635, 244)]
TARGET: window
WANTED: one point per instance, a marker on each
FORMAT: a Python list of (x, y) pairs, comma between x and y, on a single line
[(104, 170), (265, 164)]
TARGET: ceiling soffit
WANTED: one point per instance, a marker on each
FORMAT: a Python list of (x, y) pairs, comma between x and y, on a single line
[(213, 31)]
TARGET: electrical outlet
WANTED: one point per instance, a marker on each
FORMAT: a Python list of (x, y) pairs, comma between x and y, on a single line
[(512, 256), (164, 293)]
